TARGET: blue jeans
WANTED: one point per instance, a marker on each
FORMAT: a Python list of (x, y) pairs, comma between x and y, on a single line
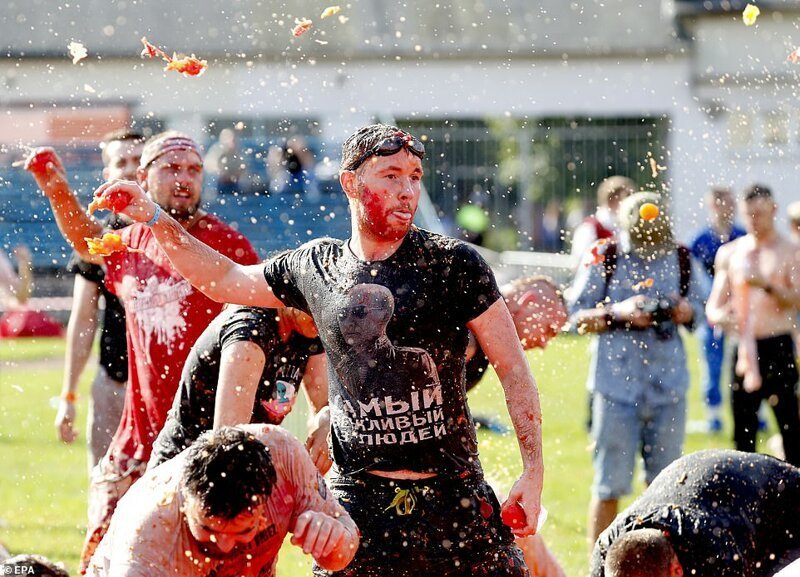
[(621, 431), (713, 352)]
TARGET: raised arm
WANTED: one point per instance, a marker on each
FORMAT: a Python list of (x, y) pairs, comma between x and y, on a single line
[(217, 276), (719, 308), (80, 336), (495, 332), (25, 273), (73, 222), (241, 365)]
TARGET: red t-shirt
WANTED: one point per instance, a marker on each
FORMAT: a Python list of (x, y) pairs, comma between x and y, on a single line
[(164, 317)]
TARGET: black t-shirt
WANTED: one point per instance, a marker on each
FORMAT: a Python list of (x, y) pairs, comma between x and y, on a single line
[(395, 332), (727, 514), (113, 342), (285, 362)]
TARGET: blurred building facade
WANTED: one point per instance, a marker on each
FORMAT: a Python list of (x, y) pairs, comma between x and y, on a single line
[(524, 105)]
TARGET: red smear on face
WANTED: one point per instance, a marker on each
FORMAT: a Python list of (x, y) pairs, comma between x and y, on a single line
[(377, 209)]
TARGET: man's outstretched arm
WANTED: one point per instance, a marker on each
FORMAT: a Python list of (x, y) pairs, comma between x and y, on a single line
[(498, 338), (73, 222), (217, 276)]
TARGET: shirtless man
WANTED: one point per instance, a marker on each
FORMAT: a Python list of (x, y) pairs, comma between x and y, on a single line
[(756, 295), (223, 508)]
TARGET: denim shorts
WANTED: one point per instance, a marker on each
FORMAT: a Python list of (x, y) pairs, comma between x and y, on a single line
[(621, 431)]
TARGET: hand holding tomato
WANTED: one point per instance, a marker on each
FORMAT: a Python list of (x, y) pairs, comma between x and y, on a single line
[(48, 170)]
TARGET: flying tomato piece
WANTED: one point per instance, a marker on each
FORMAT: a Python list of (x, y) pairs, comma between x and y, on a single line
[(794, 57), (77, 51), (188, 66), (750, 14), (152, 51), (649, 211), (301, 27), (330, 11)]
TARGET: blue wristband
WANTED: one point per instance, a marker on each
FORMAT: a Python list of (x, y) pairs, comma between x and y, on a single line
[(156, 214)]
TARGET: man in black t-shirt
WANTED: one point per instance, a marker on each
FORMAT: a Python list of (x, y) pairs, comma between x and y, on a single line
[(121, 151), (405, 452), (247, 367), (721, 513)]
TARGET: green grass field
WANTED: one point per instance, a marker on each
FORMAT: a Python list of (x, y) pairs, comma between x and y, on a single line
[(43, 482)]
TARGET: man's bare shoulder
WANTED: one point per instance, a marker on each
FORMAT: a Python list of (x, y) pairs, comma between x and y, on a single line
[(735, 247)]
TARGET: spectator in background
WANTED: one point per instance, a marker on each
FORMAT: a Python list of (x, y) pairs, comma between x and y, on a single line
[(121, 151), (603, 223), (635, 300), (291, 169), (224, 162), (552, 235), (756, 296), (16, 285), (793, 212), (720, 230)]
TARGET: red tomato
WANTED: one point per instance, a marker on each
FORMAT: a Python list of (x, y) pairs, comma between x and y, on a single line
[(38, 161), (514, 516), (115, 202)]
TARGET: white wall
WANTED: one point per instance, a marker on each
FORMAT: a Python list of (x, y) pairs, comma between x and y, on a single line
[(344, 96)]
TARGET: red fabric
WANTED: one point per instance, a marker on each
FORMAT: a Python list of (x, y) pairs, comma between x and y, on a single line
[(28, 323), (164, 317), (600, 230)]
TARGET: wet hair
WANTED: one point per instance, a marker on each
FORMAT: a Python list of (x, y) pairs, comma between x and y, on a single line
[(755, 191), (35, 565), (613, 185), (121, 135), (363, 140), (228, 471), (639, 553)]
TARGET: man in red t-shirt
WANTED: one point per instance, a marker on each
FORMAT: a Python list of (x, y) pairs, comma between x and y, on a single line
[(165, 314)]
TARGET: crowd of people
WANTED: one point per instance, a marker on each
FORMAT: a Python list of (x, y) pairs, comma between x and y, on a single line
[(191, 473)]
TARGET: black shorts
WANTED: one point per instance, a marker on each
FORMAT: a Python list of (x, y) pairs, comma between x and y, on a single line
[(442, 527)]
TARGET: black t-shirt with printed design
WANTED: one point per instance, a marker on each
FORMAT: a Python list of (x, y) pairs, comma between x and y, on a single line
[(285, 362), (395, 332)]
